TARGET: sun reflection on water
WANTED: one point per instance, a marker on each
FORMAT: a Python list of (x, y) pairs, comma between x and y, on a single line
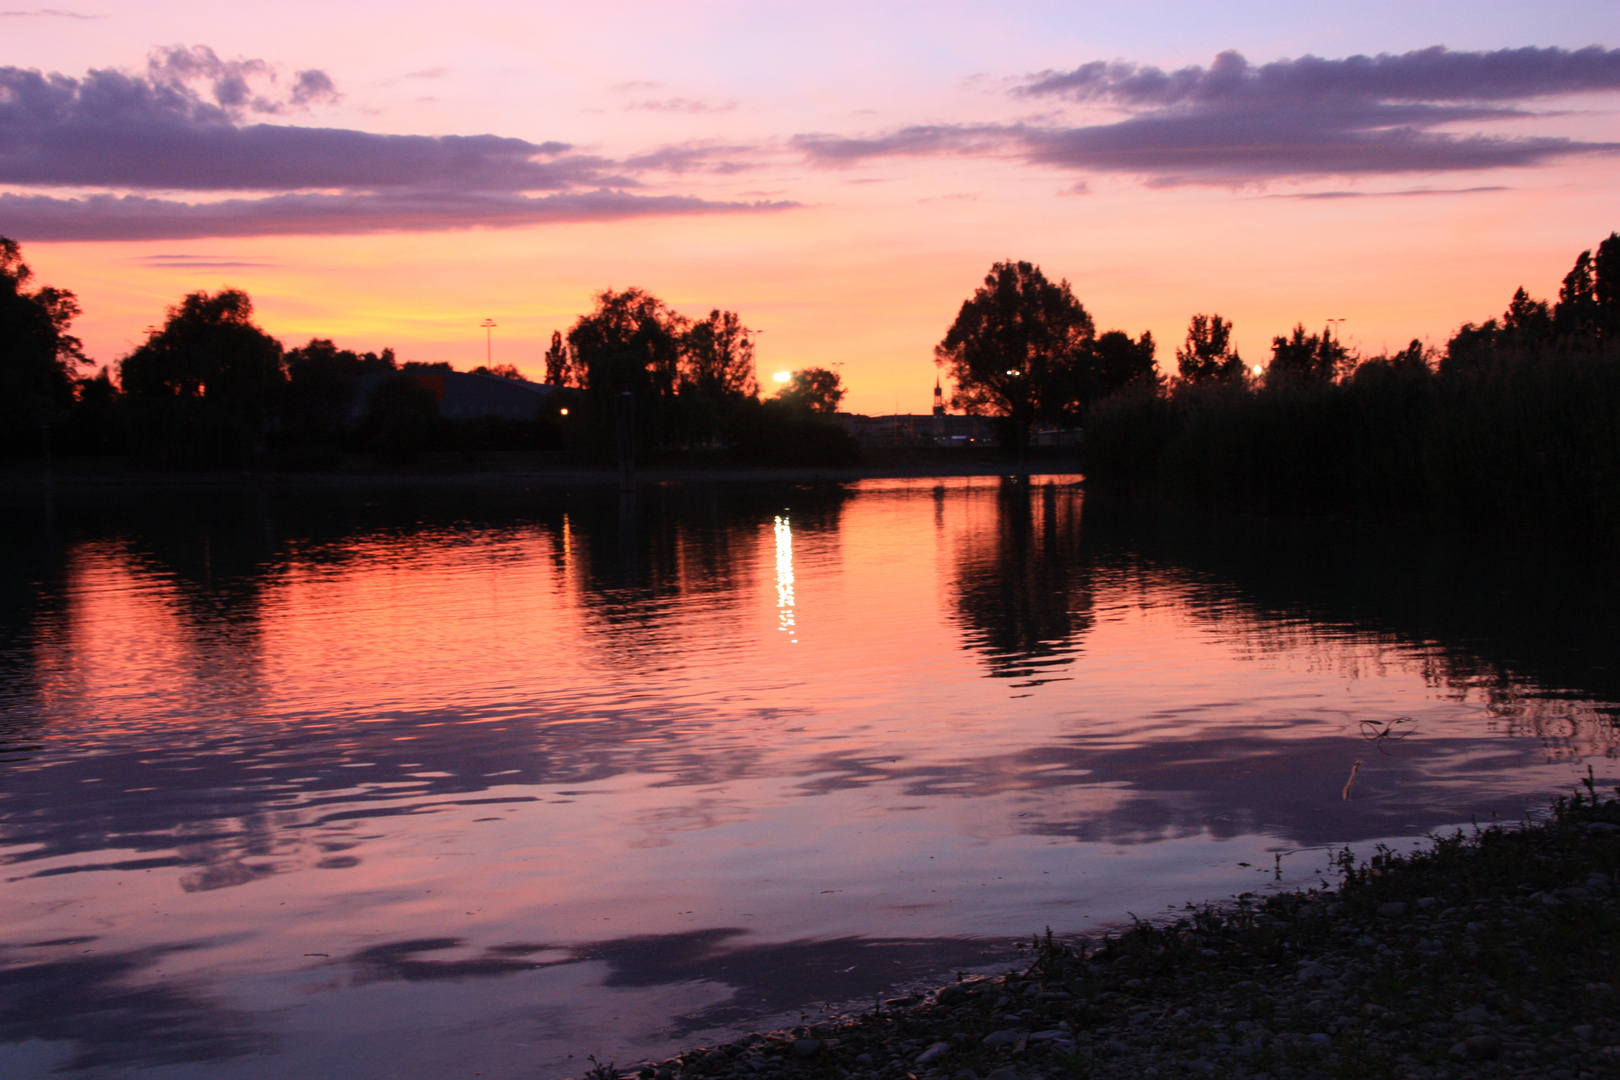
[(784, 579)]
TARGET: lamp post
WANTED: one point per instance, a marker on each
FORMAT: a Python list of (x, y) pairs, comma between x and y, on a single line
[(489, 346)]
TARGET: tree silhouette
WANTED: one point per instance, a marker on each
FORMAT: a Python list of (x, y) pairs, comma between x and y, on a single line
[(1020, 347), (1527, 321), (1118, 361), (631, 343), (812, 389), (320, 395), (560, 367), (1576, 311), (718, 358), (203, 387), (1606, 284), (38, 357), (1305, 358), (1208, 353)]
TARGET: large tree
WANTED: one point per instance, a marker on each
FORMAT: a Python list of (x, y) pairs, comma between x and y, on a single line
[(38, 357), (205, 385), (630, 343), (1021, 347)]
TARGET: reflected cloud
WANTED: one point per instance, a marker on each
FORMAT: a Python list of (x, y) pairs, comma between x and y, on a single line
[(97, 1003)]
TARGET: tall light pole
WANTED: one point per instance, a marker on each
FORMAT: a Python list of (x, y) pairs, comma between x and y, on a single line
[(489, 347), (1330, 323)]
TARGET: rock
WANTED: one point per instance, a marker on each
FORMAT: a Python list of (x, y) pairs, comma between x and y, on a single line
[(933, 1053), (1392, 910), (1004, 1037), (1603, 827), (1003, 1074), (966, 1074), (950, 995), (1427, 903), (864, 1060), (1481, 1047), (804, 1048)]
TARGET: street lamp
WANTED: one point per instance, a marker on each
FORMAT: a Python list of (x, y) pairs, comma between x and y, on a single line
[(1330, 323), (489, 328)]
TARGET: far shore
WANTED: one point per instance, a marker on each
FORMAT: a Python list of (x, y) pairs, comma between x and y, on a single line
[(523, 470)]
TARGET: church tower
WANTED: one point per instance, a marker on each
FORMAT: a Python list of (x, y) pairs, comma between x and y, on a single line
[(939, 411)]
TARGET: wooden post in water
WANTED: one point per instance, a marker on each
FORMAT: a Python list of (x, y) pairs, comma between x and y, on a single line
[(624, 423)]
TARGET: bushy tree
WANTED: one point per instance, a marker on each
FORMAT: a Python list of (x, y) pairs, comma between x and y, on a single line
[(630, 343), (1119, 361), (39, 359), (812, 390), (320, 397), (203, 387), (1305, 358), (1208, 354), (1020, 347), (718, 357)]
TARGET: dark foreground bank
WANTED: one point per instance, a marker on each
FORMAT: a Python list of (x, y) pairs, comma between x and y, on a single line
[(1484, 955)]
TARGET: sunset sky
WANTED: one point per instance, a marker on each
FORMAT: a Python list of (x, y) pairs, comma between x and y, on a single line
[(842, 175)]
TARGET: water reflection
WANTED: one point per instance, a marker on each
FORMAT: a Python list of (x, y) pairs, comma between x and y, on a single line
[(1021, 584), (784, 577), (646, 767)]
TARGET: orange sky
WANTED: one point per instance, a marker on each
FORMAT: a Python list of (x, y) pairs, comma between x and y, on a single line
[(866, 259)]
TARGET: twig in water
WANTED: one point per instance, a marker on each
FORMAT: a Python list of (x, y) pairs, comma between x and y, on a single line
[(1379, 732), (1350, 783)]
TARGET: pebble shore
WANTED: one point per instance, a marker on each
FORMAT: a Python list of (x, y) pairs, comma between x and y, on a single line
[(1494, 953)]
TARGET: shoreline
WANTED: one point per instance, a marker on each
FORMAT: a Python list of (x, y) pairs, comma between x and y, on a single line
[(541, 476), (1491, 955)]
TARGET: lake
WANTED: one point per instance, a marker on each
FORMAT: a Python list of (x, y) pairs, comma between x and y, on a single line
[(443, 783)]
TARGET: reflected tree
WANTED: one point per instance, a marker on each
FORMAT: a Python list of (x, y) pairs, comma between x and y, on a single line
[(1022, 593)]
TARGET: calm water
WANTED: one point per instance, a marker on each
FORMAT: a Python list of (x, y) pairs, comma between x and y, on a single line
[(437, 785)]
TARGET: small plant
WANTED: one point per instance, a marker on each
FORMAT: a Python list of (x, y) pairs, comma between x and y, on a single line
[(599, 1071)]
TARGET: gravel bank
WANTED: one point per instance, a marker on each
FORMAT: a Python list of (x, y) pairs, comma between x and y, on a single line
[(1489, 954)]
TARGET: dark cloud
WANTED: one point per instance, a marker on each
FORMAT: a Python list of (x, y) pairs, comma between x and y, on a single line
[(193, 123), (1427, 75), (112, 129), (1235, 122), (40, 218)]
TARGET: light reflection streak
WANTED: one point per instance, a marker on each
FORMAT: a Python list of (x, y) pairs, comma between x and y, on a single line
[(784, 579)]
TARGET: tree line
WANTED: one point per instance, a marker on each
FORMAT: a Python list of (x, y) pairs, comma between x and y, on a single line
[(1511, 424), (211, 389)]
